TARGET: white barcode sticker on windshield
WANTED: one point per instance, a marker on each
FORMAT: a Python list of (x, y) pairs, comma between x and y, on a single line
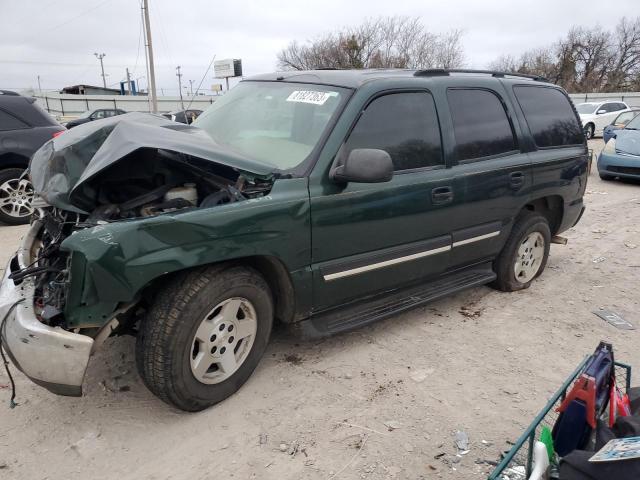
[(310, 96)]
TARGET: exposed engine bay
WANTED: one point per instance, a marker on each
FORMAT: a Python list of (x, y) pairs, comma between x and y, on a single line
[(146, 183)]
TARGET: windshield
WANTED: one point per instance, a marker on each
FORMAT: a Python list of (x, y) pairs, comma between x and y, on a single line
[(633, 124), (86, 114), (586, 108), (276, 123)]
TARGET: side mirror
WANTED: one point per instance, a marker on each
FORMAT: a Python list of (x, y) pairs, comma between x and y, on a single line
[(364, 165), (600, 112)]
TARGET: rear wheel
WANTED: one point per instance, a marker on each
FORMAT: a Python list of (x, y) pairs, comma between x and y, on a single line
[(525, 254), (204, 336), (16, 196), (589, 131)]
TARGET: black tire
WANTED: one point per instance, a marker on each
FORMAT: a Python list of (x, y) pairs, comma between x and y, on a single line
[(605, 177), (589, 131), (7, 175), (165, 340), (525, 224)]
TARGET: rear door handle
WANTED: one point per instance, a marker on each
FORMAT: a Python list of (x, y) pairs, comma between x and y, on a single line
[(516, 180), (441, 195)]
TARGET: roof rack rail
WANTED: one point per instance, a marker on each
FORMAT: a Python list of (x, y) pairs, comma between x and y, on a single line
[(9, 92), (435, 72)]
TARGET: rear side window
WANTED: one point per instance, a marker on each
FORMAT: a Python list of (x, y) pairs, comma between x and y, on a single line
[(9, 122), (480, 124), (405, 125), (549, 116)]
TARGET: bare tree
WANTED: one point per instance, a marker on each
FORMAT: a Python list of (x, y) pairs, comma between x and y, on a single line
[(586, 59), (384, 42)]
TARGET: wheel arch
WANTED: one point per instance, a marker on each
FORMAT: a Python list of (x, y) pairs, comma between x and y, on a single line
[(13, 160), (271, 268), (551, 207)]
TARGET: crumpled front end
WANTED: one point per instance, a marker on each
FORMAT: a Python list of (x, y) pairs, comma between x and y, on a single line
[(49, 355)]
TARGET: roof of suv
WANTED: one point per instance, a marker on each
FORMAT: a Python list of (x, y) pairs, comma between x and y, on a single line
[(356, 78)]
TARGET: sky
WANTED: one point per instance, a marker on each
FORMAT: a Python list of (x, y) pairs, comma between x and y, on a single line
[(57, 39)]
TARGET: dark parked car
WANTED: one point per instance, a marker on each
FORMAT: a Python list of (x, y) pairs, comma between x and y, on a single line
[(92, 115), (183, 116), (619, 123), (324, 200), (620, 157), (24, 127)]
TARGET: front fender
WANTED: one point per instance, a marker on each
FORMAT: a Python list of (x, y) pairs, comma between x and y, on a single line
[(111, 263)]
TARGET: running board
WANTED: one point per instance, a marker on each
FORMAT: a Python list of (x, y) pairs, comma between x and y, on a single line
[(364, 313)]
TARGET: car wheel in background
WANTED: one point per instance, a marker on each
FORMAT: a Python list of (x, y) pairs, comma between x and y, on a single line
[(589, 131), (16, 195), (525, 254), (204, 335)]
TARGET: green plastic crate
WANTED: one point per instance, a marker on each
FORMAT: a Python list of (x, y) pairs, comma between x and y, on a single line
[(522, 451)]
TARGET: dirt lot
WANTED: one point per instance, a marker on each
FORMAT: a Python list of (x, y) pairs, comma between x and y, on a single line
[(481, 361)]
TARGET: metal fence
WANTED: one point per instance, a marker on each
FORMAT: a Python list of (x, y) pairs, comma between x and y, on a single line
[(630, 98), (68, 106)]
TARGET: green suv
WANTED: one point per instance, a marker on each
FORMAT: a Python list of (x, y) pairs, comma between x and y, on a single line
[(323, 199)]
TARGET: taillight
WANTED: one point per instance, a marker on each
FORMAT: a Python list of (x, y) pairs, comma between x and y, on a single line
[(57, 134)]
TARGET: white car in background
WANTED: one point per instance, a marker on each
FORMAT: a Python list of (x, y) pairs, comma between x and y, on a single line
[(596, 116)]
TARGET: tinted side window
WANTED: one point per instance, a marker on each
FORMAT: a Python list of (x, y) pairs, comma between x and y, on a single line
[(480, 124), (403, 124), (549, 116), (9, 122)]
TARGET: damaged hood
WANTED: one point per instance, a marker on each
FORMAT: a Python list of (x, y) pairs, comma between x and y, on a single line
[(69, 160), (628, 141)]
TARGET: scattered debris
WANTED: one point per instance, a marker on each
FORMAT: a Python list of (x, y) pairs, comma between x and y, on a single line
[(125, 388), (462, 441), (599, 259), (293, 359), (614, 319), (392, 425), (483, 461), (630, 245), (468, 312), (284, 447), (263, 438), (4, 385), (439, 455), (487, 443), (420, 375)]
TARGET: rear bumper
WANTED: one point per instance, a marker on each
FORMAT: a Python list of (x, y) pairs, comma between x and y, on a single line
[(572, 214), (50, 356)]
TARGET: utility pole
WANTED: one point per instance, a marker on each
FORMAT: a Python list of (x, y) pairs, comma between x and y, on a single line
[(152, 74), (129, 82), (179, 75), (39, 86), (191, 87), (100, 57)]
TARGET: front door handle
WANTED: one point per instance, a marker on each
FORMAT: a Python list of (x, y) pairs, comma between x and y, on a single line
[(516, 180), (441, 195)]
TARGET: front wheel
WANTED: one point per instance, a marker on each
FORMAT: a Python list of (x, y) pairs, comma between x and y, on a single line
[(525, 254), (204, 336), (589, 131)]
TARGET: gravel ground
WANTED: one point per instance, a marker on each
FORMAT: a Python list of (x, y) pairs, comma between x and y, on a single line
[(377, 403)]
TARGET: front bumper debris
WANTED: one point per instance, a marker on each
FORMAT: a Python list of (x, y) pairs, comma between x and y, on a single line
[(50, 356)]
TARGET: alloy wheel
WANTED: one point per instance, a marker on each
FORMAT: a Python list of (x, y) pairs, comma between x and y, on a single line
[(223, 340), (529, 257), (15, 198)]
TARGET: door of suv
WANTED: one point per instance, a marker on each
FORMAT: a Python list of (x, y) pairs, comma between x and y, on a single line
[(369, 238), (491, 174)]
